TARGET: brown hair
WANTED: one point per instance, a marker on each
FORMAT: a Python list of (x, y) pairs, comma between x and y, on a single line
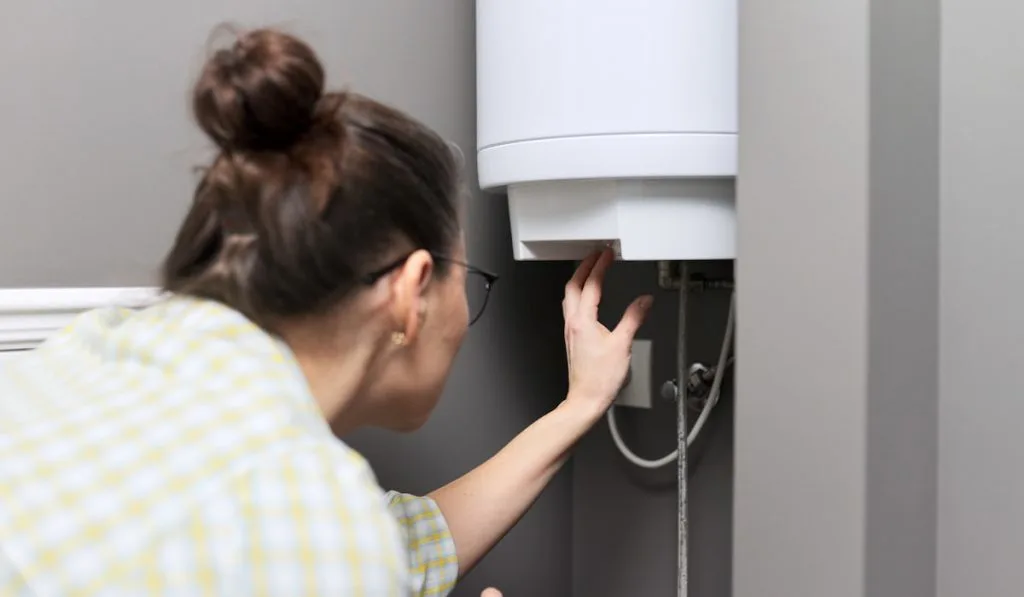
[(310, 191)]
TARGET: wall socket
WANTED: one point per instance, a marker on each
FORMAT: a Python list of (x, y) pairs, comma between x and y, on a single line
[(636, 392)]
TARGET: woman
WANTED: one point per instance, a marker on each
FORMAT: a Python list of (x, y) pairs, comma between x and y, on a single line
[(319, 276)]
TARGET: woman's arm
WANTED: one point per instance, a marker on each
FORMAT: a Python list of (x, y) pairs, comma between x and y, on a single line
[(484, 504), (481, 506)]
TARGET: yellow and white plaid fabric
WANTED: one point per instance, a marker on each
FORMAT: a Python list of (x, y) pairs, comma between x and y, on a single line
[(176, 450)]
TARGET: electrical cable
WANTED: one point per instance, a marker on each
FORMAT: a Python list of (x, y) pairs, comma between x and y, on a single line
[(698, 425)]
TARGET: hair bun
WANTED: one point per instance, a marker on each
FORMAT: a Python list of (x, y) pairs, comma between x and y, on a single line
[(261, 94)]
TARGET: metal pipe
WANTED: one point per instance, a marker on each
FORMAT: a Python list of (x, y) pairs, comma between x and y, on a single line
[(681, 432), (670, 277), (667, 278), (705, 284)]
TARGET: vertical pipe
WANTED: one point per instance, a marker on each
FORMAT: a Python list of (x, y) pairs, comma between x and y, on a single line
[(681, 432)]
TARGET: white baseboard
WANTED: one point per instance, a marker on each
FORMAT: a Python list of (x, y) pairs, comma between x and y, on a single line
[(30, 315)]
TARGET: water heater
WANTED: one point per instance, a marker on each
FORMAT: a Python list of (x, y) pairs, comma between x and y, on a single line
[(610, 122)]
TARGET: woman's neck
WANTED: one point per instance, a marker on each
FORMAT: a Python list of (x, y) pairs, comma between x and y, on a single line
[(336, 367)]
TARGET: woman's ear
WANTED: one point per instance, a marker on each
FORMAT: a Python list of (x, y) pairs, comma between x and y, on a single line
[(409, 286)]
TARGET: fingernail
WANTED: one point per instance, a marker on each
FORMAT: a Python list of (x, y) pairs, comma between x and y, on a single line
[(646, 302)]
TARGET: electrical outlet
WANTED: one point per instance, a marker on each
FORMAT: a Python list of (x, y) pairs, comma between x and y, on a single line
[(636, 392)]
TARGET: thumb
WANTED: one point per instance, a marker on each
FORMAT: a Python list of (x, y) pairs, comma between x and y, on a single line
[(492, 592), (633, 318)]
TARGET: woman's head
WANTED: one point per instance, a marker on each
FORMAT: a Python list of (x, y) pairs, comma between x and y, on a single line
[(311, 195)]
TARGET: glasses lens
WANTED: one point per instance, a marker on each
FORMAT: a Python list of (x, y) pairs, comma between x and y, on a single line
[(477, 291)]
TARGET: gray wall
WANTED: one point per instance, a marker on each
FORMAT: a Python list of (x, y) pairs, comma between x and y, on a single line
[(624, 529), (95, 164), (98, 146), (981, 488), (890, 465), (802, 308), (836, 419)]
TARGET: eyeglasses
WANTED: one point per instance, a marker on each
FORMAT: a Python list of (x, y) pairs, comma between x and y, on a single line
[(478, 282)]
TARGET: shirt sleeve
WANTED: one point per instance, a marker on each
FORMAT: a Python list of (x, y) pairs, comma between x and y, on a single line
[(433, 564)]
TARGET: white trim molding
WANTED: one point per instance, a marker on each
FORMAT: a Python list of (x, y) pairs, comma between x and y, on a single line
[(30, 315)]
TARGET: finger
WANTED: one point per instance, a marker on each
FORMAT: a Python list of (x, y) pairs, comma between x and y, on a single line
[(590, 298), (633, 318), (584, 268), (491, 592), (575, 285)]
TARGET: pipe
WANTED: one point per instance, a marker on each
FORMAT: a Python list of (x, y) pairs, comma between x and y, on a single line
[(667, 278), (681, 434)]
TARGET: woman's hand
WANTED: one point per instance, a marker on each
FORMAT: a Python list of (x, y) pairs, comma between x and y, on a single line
[(491, 593), (598, 357)]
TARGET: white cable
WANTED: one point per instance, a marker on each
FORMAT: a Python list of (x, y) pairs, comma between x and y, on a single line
[(698, 425)]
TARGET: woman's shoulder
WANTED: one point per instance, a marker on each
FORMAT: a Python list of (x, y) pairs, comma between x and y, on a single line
[(177, 345), (215, 382), (169, 331)]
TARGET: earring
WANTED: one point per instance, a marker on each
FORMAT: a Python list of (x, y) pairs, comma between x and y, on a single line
[(398, 338)]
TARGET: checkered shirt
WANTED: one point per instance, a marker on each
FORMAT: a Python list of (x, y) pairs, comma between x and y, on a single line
[(177, 450)]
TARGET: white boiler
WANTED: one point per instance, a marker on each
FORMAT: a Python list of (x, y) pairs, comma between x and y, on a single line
[(610, 122)]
